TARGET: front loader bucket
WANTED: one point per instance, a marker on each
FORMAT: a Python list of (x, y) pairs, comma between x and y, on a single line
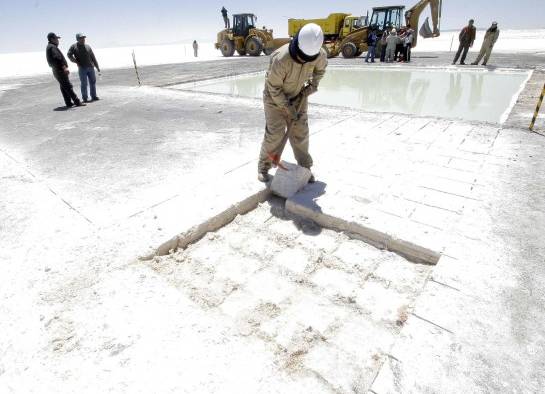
[(425, 30)]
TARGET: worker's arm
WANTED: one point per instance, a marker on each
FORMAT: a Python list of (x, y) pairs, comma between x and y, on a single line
[(55, 58), (496, 36), (71, 54), (275, 82), (94, 59), (319, 69)]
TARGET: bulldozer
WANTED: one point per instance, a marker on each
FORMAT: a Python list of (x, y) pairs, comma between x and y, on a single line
[(246, 39), (354, 42)]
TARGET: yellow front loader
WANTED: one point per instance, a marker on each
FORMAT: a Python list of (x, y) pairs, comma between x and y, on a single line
[(246, 39)]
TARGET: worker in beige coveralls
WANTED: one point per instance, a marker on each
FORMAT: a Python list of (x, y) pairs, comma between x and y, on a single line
[(294, 73)]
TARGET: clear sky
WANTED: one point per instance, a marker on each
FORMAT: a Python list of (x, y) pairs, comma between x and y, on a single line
[(25, 23)]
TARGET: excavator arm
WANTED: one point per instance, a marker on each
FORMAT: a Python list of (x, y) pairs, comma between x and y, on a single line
[(413, 15)]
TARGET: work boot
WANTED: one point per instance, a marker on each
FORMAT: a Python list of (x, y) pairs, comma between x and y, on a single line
[(263, 177), (80, 104), (96, 98), (484, 64), (462, 64), (474, 64)]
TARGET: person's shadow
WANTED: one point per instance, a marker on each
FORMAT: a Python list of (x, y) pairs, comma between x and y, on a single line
[(59, 109), (306, 197)]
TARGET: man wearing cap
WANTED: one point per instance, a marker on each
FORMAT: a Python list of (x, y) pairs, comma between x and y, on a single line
[(490, 39), (294, 73), (82, 54), (466, 38), (58, 64)]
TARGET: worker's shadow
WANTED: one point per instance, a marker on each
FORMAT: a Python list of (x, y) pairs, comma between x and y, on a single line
[(308, 199), (59, 109)]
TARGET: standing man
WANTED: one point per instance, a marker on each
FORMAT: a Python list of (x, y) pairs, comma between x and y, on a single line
[(82, 54), (383, 44), (408, 43), (392, 41), (490, 39), (466, 37), (295, 71), (58, 64), (225, 17), (195, 48), (371, 45)]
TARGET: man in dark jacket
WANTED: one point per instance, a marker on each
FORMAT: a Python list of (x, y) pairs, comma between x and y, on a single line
[(371, 45), (58, 64), (225, 17), (466, 37), (82, 54)]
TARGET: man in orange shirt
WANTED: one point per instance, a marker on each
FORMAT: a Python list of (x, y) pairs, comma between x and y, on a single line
[(466, 37)]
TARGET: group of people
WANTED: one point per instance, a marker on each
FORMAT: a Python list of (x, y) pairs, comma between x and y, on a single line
[(396, 47), (467, 38), (81, 54), (393, 46)]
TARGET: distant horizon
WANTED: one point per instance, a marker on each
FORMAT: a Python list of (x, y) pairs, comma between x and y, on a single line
[(25, 23), (63, 43)]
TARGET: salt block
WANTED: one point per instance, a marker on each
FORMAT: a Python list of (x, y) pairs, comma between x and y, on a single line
[(287, 183)]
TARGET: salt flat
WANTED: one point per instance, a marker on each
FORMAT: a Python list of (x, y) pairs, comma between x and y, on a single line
[(86, 192)]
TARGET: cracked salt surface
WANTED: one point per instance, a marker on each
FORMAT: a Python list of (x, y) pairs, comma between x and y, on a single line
[(324, 307)]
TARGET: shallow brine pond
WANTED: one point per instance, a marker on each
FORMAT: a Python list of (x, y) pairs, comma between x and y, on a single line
[(471, 95)]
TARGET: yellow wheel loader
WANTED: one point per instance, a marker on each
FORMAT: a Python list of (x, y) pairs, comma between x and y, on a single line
[(246, 39)]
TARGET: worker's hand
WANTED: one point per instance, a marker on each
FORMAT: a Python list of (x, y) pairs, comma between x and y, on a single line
[(66, 71), (292, 113), (308, 90)]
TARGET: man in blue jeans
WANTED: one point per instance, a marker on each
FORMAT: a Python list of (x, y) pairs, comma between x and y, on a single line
[(82, 54), (371, 45)]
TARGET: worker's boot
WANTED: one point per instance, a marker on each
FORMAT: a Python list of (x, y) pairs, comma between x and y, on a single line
[(263, 177)]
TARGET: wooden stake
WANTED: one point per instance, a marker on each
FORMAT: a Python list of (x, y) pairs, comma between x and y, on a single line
[(539, 102), (136, 68)]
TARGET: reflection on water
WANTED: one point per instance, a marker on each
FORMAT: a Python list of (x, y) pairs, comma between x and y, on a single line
[(453, 94)]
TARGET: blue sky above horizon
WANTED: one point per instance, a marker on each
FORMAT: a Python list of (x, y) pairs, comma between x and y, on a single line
[(25, 23)]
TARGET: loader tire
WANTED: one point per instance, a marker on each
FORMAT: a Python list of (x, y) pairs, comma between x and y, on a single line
[(349, 50), (254, 46), (227, 48)]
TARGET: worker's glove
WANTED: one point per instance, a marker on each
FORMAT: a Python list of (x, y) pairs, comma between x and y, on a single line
[(308, 90), (292, 113)]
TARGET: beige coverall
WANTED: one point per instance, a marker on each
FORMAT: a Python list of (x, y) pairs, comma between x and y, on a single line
[(490, 39), (284, 81)]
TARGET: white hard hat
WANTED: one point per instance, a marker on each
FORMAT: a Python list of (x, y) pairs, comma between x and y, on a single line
[(394, 31), (311, 38)]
